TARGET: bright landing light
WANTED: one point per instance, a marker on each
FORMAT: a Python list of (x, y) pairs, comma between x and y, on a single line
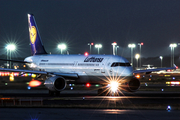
[(114, 86)]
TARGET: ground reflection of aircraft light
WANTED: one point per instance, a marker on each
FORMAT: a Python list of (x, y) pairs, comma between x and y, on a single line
[(34, 83), (113, 111)]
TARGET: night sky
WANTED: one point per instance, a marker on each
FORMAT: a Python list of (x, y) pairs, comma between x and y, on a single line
[(79, 22)]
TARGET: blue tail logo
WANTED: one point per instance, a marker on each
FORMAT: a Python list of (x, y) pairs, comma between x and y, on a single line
[(37, 47)]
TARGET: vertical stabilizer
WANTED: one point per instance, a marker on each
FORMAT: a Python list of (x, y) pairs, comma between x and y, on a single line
[(37, 47)]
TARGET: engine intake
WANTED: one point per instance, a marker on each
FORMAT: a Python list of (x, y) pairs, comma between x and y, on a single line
[(56, 83), (132, 85)]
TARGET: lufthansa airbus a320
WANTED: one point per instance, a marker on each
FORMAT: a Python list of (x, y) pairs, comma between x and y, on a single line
[(111, 71)]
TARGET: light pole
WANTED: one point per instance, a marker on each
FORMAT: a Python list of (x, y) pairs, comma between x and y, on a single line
[(137, 56), (98, 46), (140, 44), (131, 46), (7, 57), (116, 50), (172, 46), (10, 47), (62, 47), (114, 45), (161, 57), (90, 46)]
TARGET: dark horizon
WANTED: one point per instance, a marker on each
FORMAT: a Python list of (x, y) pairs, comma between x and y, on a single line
[(77, 23)]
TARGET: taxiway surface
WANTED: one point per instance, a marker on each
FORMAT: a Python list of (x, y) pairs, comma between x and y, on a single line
[(86, 114), (89, 99)]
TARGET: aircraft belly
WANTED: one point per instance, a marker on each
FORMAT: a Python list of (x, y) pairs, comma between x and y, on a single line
[(100, 79)]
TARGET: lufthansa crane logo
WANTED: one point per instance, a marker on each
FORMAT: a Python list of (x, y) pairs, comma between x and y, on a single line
[(33, 34), (93, 59)]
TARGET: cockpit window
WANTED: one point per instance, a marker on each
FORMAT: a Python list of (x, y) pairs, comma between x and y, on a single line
[(120, 64)]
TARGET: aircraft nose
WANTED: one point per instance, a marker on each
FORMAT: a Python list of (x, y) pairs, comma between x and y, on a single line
[(125, 71)]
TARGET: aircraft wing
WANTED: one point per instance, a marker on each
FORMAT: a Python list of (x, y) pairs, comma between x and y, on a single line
[(20, 61), (69, 75), (152, 70)]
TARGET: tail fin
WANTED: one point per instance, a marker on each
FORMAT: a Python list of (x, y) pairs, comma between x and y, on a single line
[(37, 47)]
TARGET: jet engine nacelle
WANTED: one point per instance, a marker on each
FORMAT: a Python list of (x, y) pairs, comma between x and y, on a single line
[(132, 85), (56, 83)]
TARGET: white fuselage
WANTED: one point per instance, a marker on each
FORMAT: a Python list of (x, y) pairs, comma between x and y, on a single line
[(89, 68)]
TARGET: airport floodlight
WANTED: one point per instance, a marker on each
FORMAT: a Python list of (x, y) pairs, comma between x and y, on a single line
[(10, 47), (98, 46), (140, 44), (161, 57), (172, 46), (114, 45), (131, 46), (137, 56), (90, 46), (62, 47)]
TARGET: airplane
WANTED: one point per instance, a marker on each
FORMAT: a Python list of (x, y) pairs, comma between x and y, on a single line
[(112, 72)]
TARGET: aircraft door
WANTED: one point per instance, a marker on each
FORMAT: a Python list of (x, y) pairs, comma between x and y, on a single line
[(104, 64), (42, 64), (75, 66)]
